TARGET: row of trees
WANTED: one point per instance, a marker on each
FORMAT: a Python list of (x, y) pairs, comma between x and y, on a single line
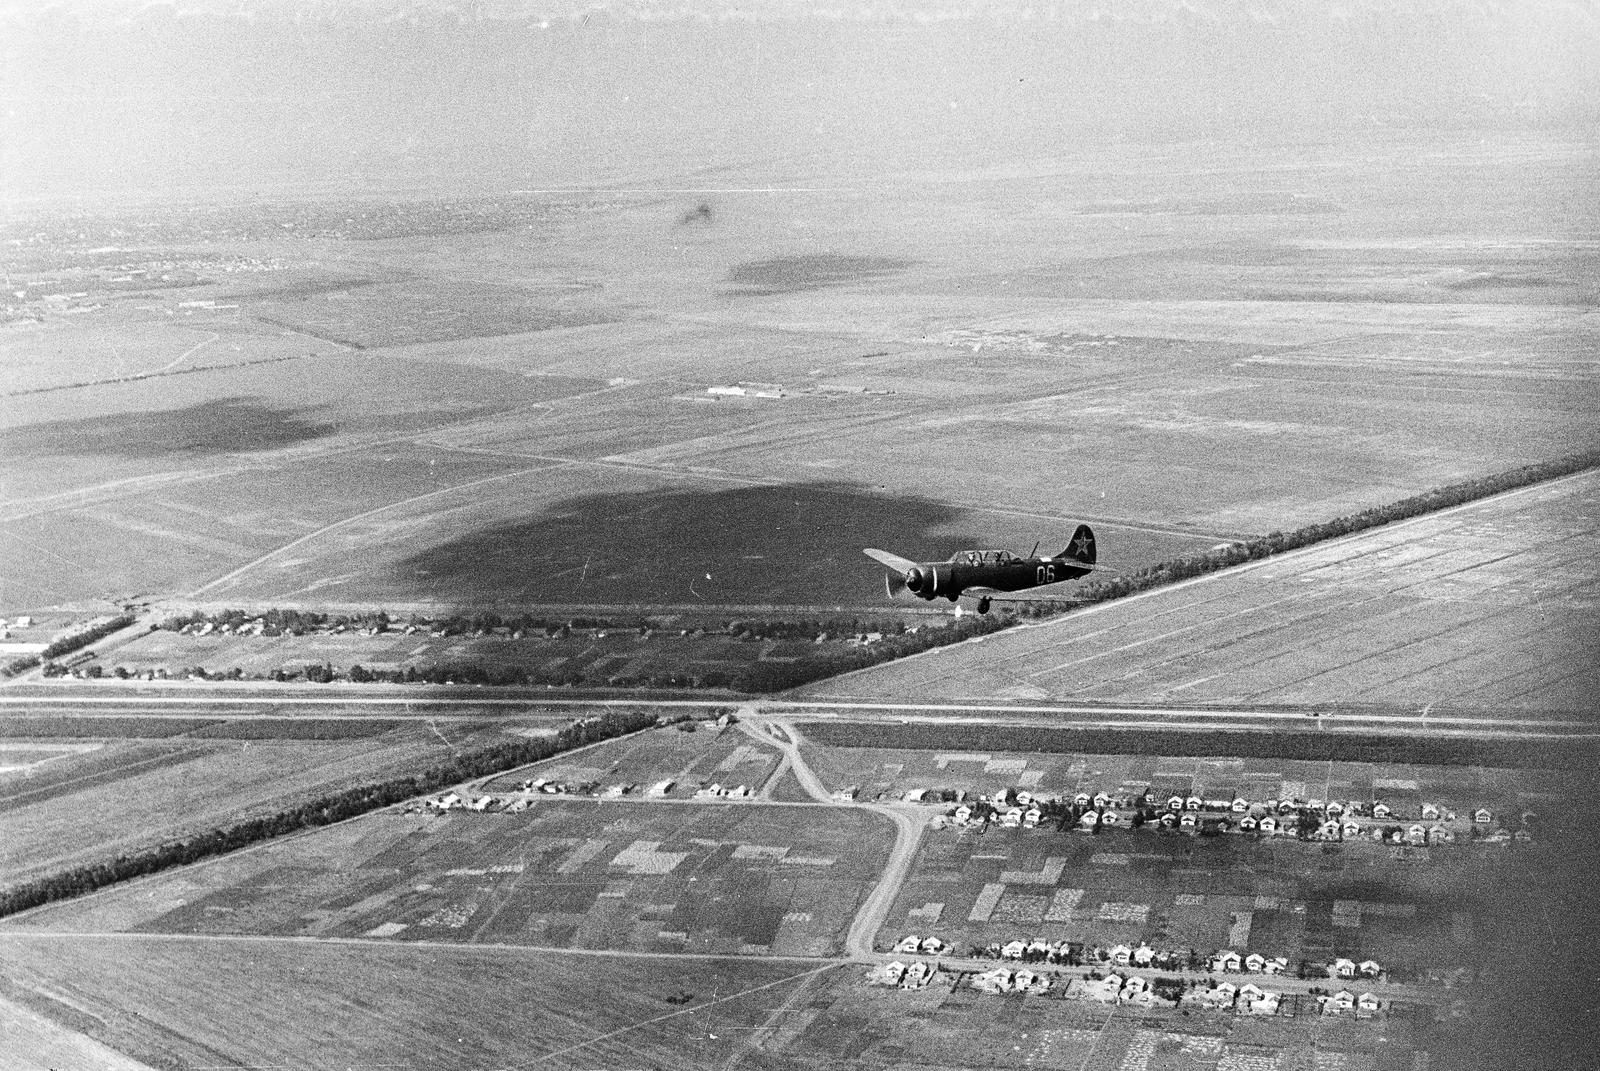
[(321, 811)]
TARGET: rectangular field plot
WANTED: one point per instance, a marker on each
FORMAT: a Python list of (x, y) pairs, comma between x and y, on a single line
[(568, 873)]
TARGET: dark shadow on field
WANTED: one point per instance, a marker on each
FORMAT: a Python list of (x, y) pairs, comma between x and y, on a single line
[(788, 544), (793, 275), (223, 426)]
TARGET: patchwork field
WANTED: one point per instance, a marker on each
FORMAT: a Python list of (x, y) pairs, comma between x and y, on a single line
[(720, 878), (891, 773), (1490, 606), (517, 410)]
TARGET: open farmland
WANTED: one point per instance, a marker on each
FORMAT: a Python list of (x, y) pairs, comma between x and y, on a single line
[(122, 794), (579, 873), (472, 1007), (963, 357), (1490, 606)]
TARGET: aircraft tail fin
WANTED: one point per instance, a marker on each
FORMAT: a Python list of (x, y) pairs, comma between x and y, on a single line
[(1081, 549)]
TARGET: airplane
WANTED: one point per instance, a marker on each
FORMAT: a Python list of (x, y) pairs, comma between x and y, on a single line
[(987, 575)]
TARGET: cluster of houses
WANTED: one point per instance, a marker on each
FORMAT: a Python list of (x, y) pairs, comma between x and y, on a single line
[(1001, 980), (659, 790), (1311, 819), (1140, 992), (1223, 961)]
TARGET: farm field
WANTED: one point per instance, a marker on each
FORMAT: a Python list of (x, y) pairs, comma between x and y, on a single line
[(516, 409), (117, 794), (162, 999), (1298, 900), (1490, 606), (565, 873)]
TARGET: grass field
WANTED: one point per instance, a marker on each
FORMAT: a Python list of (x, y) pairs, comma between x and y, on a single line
[(1489, 606), (966, 357)]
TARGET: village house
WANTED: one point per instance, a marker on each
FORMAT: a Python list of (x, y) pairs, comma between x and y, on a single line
[(1255, 962), (1026, 980), (1430, 811), (1226, 961), (1338, 1003), (1268, 825), (1190, 820), (1482, 816), (1013, 950), (1089, 820), (995, 981), (1367, 1005), (1143, 956), (1174, 803), (1248, 824), (1370, 968), (917, 975), (1381, 810), (909, 943), (1344, 968)]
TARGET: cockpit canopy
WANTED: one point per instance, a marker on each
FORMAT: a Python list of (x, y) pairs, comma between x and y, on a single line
[(985, 557)]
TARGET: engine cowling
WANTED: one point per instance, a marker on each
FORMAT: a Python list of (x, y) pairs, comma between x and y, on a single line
[(928, 581)]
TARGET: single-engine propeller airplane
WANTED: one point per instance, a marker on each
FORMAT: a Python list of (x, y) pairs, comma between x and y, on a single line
[(985, 576)]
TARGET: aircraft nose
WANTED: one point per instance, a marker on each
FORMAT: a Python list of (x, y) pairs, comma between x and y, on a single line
[(914, 579)]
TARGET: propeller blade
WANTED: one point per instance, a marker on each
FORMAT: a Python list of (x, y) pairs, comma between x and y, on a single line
[(894, 583)]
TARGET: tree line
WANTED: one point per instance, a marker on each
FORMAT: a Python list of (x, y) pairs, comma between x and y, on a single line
[(321, 811)]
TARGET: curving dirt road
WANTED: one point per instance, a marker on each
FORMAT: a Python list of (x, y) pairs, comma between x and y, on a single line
[(909, 823)]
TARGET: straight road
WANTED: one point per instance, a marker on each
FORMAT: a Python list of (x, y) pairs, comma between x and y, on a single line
[(145, 699)]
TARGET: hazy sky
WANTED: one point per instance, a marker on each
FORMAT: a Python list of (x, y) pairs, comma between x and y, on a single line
[(126, 97)]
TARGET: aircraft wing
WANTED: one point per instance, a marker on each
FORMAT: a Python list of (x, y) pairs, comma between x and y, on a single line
[(893, 561)]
